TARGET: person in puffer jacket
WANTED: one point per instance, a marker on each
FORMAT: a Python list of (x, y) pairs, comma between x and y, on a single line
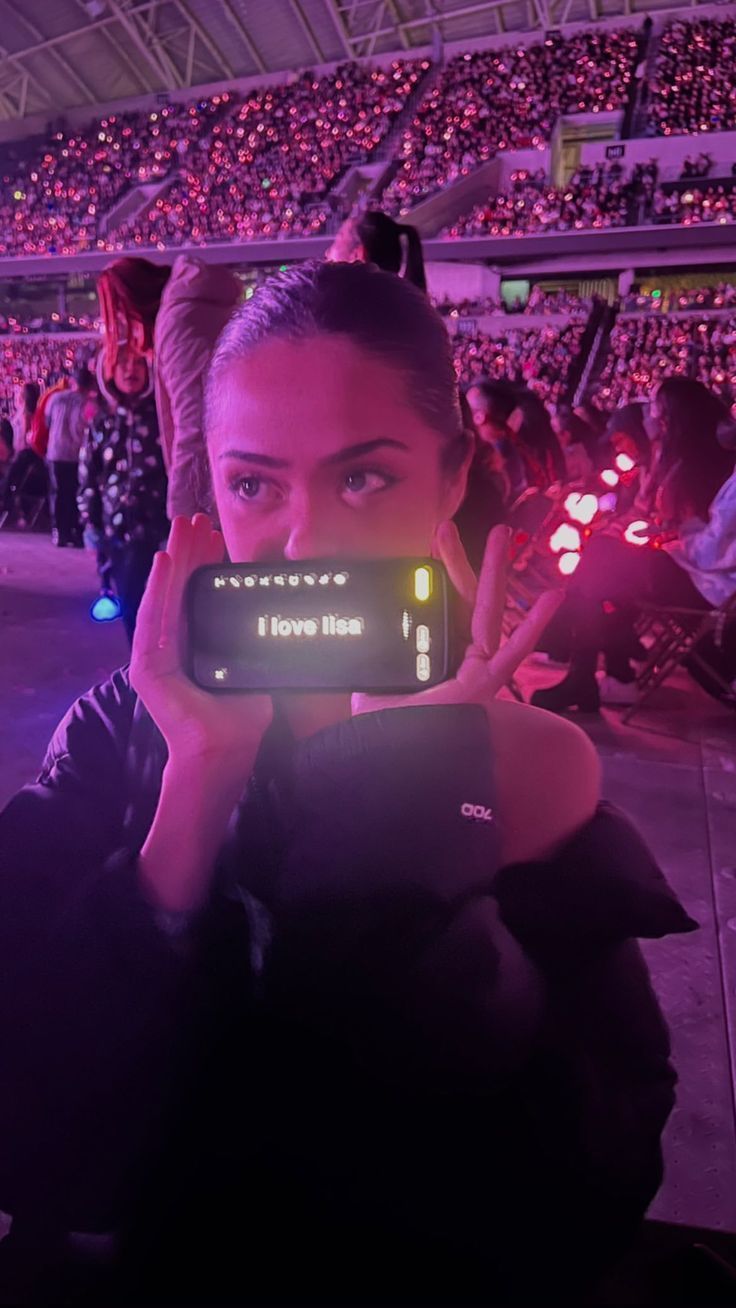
[(196, 302), (122, 481), (326, 999), (172, 316)]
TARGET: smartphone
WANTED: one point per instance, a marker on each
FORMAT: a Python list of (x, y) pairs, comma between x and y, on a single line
[(377, 625)]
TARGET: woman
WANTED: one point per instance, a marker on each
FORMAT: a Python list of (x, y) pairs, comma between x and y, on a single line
[(23, 416), (122, 481), (693, 498), (373, 237), (175, 315), (26, 472), (375, 1046)]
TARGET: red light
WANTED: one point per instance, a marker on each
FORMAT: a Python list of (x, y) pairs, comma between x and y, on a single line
[(609, 477), (624, 463)]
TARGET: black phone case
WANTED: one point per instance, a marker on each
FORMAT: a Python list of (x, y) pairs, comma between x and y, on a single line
[(319, 625)]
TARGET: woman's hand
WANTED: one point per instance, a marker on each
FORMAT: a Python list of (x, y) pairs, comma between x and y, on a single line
[(220, 730), (487, 666)]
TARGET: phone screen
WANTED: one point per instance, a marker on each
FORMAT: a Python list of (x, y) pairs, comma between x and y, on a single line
[(316, 625)]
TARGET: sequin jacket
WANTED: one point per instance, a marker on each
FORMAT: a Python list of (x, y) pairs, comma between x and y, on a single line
[(122, 480)]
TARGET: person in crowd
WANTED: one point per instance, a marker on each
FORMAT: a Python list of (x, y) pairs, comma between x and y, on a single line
[(577, 441), (66, 418), (195, 305), (695, 505), (491, 404), (23, 416), (324, 1011), (173, 316), (6, 442), (26, 472), (122, 481), (6, 454), (487, 493), (374, 237)]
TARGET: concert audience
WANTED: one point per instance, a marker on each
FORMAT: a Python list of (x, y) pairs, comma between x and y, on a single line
[(508, 99), (644, 350), (692, 88), (538, 359)]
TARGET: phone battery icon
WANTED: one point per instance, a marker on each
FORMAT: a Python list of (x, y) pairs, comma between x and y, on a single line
[(423, 639), (423, 667)]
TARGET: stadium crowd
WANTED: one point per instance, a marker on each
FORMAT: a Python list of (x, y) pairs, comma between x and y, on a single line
[(508, 99), (720, 296), (698, 204), (55, 204), (538, 358), (594, 198), (645, 350), (285, 147), (42, 359), (692, 89)]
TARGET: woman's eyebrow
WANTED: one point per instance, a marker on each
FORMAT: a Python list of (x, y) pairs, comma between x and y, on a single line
[(341, 456)]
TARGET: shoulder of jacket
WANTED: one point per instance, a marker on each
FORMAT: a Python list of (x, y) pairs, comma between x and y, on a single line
[(102, 716)]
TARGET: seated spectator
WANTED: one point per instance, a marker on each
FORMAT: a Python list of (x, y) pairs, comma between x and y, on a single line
[(712, 204), (695, 568)]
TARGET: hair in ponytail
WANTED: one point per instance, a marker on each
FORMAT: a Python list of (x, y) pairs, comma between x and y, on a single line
[(414, 267), (381, 240)]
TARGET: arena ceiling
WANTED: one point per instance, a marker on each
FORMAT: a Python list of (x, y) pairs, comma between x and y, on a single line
[(60, 54)]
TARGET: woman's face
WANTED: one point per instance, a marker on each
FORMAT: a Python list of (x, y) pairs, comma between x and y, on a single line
[(317, 451), (131, 371)]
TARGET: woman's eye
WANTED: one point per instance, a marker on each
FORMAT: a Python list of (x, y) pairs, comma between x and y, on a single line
[(253, 488), (364, 481)]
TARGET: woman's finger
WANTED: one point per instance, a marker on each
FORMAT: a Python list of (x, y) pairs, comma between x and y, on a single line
[(521, 643), (146, 652), (452, 554), (178, 549), (491, 600)]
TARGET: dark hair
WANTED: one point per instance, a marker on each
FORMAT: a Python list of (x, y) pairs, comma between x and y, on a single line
[(500, 397), (6, 433), (84, 379), (691, 451), (31, 393), (380, 313), (540, 450), (381, 240)]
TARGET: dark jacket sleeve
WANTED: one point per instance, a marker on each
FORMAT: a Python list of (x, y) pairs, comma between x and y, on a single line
[(88, 984), (604, 1075), (89, 496)]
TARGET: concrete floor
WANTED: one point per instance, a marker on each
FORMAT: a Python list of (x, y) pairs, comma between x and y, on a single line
[(673, 770)]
